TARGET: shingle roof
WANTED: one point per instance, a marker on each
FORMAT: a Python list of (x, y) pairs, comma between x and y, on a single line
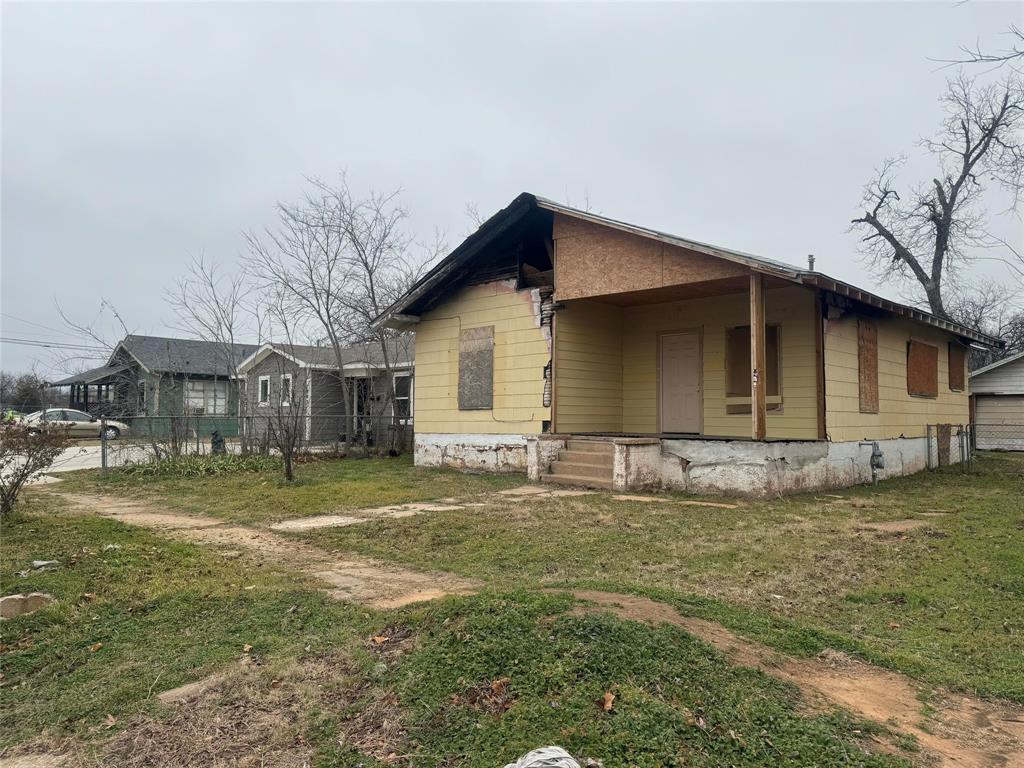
[(193, 356), (91, 376), (368, 353), (445, 273)]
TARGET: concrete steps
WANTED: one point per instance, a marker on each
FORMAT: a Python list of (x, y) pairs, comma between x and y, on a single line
[(571, 480), (583, 462)]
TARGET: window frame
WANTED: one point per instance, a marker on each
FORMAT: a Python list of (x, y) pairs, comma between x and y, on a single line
[(407, 418), (290, 378), (142, 396), (743, 404), (259, 390), (214, 392)]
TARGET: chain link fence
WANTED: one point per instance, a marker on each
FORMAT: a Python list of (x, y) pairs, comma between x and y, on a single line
[(999, 437), (139, 439), (950, 444)]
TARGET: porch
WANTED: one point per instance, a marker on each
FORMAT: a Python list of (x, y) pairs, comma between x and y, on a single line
[(710, 361)]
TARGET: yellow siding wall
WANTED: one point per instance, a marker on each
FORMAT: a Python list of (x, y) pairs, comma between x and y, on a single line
[(898, 412), (588, 368), (521, 350), (791, 308)]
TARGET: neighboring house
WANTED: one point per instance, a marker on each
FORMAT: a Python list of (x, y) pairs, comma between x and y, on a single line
[(591, 351), (279, 376), (997, 402), (159, 378)]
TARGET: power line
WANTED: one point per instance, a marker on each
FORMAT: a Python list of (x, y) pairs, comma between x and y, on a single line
[(52, 344), (37, 325)]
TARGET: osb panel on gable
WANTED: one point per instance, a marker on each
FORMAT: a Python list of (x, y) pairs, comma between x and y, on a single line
[(594, 260)]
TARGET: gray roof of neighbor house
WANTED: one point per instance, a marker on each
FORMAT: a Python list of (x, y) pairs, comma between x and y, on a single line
[(365, 354), (166, 355), (455, 265), (91, 376), (997, 364)]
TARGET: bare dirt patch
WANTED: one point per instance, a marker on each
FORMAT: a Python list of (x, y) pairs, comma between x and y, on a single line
[(362, 516), (37, 760), (893, 526), (354, 579), (963, 731), (681, 502)]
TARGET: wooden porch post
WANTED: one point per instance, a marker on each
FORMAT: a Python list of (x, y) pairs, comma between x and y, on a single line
[(757, 358)]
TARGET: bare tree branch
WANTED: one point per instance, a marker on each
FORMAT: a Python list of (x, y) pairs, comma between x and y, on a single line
[(932, 231)]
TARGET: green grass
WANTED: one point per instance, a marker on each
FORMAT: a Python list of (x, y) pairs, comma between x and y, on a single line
[(320, 487), (136, 614), (675, 703), (148, 614), (941, 603)]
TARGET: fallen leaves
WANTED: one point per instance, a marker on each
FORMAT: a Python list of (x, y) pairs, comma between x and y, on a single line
[(607, 702), (379, 640), (95, 647)]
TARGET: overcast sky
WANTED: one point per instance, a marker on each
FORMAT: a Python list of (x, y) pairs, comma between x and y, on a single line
[(136, 135)]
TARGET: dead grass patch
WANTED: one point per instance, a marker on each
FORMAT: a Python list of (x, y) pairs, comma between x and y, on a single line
[(256, 716)]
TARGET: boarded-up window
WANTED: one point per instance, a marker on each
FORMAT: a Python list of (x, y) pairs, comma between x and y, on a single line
[(737, 361), (867, 365), (922, 369), (476, 369), (957, 366)]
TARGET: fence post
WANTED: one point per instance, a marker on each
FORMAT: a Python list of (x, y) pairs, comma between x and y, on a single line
[(103, 445)]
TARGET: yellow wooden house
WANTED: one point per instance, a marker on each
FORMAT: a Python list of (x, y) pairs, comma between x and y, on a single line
[(590, 351)]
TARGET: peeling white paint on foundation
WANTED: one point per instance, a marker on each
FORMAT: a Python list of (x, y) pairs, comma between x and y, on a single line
[(485, 453), (767, 469), (729, 467), (541, 451)]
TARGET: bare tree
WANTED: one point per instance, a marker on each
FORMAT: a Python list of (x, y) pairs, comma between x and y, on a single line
[(1012, 54), (927, 234), (215, 307), (282, 417), (384, 260), (337, 261), (302, 264), (994, 310)]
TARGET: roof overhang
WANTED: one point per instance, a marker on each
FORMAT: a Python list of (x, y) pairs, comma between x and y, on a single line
[(819, 280), (398, 316), (263, 352), (92, 376)]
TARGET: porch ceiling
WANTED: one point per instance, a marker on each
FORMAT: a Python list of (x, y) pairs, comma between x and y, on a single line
[(720, 287)]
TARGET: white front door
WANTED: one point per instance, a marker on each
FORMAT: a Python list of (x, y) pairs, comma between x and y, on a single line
[(679, 382)]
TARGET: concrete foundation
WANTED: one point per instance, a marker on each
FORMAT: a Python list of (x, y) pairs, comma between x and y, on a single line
[(731, 467), (484, 453), (752, 468), (541, 450)]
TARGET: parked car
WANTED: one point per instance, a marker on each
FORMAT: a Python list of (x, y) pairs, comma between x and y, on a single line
[(77, 423)]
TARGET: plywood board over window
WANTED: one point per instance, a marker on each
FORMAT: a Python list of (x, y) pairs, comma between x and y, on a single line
[(867, 365), (476, 369), (957, 366), (922, 369)]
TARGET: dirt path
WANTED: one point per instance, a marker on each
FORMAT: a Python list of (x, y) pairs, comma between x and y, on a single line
[(964, 731), (354, 579)]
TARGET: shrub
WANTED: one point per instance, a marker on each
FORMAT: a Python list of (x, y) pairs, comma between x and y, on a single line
[(202, 466), (25, 453)]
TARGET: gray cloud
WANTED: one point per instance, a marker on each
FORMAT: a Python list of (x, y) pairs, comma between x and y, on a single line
[(135, 135)]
